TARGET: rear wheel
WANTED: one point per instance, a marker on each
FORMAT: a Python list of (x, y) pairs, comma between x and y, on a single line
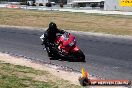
[(80, 56)]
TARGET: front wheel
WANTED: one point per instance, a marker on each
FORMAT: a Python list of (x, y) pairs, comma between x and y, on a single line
[(80, 56)]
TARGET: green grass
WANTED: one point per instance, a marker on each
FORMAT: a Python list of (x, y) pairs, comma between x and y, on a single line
[(7, 81), (110, 24), (15, 76), (17, 68)]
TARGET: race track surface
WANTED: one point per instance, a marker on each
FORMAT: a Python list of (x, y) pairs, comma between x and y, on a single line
[(105, 57)]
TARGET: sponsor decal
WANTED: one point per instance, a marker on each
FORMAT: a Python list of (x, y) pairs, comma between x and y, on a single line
[(86, 81), (13, 6), (125, 2)]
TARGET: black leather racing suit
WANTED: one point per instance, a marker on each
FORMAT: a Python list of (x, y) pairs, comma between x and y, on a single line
[(49, 39), (51, 36)]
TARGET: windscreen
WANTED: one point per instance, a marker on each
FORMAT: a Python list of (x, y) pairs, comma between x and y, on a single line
[(66, 36)]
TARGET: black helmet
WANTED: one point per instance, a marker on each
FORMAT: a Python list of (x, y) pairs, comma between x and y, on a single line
[(52, 26)]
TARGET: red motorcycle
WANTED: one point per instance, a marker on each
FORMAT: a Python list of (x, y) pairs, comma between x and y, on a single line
[(67, 48)]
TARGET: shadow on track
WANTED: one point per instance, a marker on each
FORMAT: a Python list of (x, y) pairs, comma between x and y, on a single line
[(66, 59)]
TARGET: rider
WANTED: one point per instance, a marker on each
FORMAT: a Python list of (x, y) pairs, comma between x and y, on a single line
[(50, 34)]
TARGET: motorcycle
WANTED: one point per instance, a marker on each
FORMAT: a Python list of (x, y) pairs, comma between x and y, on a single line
[(65, 47)]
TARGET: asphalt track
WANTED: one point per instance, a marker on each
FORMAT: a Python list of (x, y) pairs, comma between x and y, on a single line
[(109, 58)]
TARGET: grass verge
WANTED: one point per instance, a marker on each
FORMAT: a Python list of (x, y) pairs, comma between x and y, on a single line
[(110, 24), (16, 76)]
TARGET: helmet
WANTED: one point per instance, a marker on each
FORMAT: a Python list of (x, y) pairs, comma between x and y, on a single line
[(52, 26)]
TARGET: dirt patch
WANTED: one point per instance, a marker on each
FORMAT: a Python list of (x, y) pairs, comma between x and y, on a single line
[(28, 63)]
